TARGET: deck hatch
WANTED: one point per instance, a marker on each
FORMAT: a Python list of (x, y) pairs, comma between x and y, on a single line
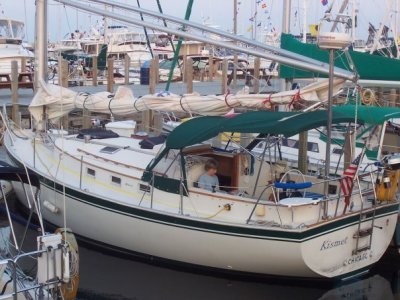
[(109, 150)]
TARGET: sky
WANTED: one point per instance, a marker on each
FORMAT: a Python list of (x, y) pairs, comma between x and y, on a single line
[(63, 20)]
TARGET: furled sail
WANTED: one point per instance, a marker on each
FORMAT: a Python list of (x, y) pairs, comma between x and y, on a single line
[(60, 101)]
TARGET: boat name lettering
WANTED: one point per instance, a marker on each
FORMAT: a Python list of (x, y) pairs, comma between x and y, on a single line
[(356, 259), (328, 244)]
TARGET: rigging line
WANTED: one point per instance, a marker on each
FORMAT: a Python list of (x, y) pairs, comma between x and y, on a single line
[(178, 47), (5, 122), (66, 16), (165, 25), (145, 32)]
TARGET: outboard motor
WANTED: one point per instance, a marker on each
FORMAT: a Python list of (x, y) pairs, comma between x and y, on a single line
[(387, 185)]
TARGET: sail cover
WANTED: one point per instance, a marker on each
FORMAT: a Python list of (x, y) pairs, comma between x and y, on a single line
[(59, 101)]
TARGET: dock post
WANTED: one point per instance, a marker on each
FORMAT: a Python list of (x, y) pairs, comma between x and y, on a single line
[(110, 75), (157, 68), (147, 116), (224, 79), (392, 98), (235, 65), (152, 77), (256, 85), (127, 64), (189, 75), (94, 71), (210, 68), (14, 92), (303, 157), (202, 74), (23, 68), (379, 96), (63, 70)]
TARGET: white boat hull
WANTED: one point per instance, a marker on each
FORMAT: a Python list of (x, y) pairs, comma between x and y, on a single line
[(125, 231), (119, 221)]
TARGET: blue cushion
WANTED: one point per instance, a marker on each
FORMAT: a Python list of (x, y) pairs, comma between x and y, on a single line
[(292, 186)]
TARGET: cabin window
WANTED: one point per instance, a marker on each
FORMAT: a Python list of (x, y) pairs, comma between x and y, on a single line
[(338, 151), (91, 172), (116, 180), (290, 143), (144, 188), (313, 147), (109, 150)]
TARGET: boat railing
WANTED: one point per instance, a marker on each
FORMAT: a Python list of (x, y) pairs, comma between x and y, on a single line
[(367, 179), (41, 287)]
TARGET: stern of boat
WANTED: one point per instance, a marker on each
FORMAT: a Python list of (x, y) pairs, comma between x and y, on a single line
[(355, 242)]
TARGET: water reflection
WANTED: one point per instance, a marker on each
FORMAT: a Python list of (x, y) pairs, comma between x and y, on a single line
[(103, 276)]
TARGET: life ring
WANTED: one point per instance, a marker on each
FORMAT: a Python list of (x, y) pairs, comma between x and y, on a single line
[(69, 289), (368, 97)]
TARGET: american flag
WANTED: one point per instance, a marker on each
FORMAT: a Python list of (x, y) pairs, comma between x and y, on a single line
[(346, 183)]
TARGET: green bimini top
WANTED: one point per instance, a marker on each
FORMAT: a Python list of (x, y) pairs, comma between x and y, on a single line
[(373, 67), (200, 129)]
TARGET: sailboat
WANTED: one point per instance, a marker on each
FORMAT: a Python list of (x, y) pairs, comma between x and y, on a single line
[(143, 201), (143, 197)]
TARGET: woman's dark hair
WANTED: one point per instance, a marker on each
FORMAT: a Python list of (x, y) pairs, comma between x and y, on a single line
[(210, 164)]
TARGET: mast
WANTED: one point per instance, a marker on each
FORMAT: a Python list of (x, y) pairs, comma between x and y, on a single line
[(304, 21), (286, 16), (341, 10), (40, 43), (255, 19), (353, 21), (379, 34), (105, 24), (284, 83)]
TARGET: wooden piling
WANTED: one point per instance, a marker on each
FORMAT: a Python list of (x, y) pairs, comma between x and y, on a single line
[(303, 148), (189, 75), (157, 68), (23, 68), (210, 68), (127, 64), (202, 75), (94, 71), (110, 75), (158, 123), (235, 65), (153, 76), (256, 85), (63, 70), (184, 62), (392, 97), (224, 79), (147, 116), (14, 93)]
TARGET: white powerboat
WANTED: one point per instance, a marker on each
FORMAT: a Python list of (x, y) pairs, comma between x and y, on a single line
[(11, 47)]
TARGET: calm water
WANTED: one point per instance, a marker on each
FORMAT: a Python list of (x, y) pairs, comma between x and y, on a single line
[(103, 276)]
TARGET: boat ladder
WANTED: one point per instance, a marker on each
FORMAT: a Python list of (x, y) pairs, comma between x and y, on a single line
[(364, 233)]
